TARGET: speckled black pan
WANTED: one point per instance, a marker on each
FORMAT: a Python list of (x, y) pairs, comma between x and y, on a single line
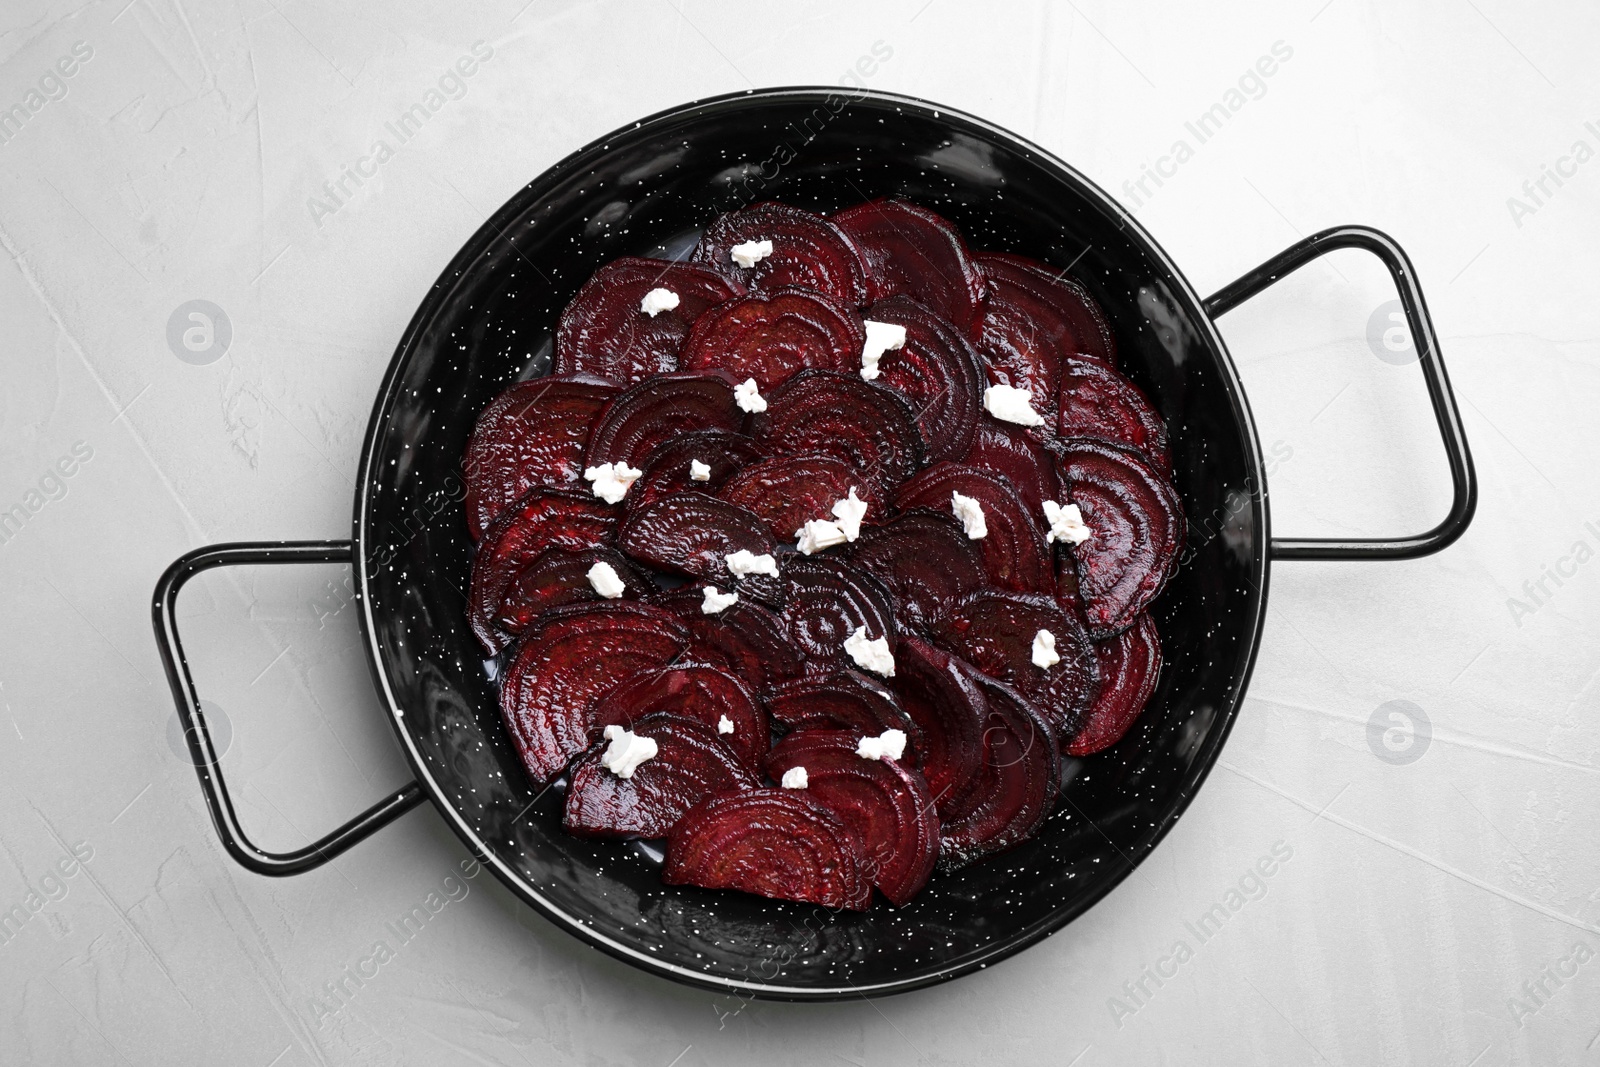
[(648, 190)]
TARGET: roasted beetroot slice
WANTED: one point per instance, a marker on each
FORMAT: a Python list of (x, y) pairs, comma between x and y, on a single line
[(994, 631), (1096, 401), (925, 559), (690, 765), (909, 250), (695, 691), (787, 491), (531, 434), (1136, 525), (887, 805), (1018, 780), (777, 843), (938, 370), (669, 468), (656, 411), (561, 576), (826, 600), (770, 336), (692, 534), (807, 250), (571, 658), (541, 520), (604, 332), (1014, 550), (1129, 666), (941, 697), (1020, 458), (844, 700), (818, 412), (747, 639)]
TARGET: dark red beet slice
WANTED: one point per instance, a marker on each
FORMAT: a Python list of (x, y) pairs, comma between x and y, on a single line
[(910, 250), (925, 559), (994, 631), (1129, 666), (690, 765), (604, 332), (826, 601), (770, 336), (544, 519), (888, 806), (692, 534), (567, 661), (1021, 459), (692, 691), (561, 576), (531, 434), (787, 491), (941, 697), (1014, 550), (1096, 401), (938, 370), (746, 638), (776, 843), (656, 411), (1137, 530), (669, 468), (844, 700), (807, 250), (825, 413)]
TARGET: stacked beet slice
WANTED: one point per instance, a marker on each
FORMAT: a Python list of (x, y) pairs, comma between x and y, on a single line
[(818, 553)]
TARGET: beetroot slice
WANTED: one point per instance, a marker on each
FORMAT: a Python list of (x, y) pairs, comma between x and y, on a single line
[(561, 576), (926, 561), (571, 658), (826, 601), (770, 336), (788, 491), (656, 411), (825, 413), (994, 631), (695, 691), (604, 332), (1021, 459), (692, 534), (938, 371), (910, 250), (1136, 525), (1014, 550), (1096, 401), (746, 639), (1130, 663), (690, 765), (544, 519), (941, 697), (669, 468), (844, 700), (776, 843), (807, 250), (530, 435), (887, 805)]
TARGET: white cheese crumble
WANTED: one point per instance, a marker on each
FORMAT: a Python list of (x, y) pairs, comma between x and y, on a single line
[(795, 778), (873, 655), (970, 512), (658, 300), (1066, 523), (748, 397), (724, 725), (881, 338), (891, 744), (716, 601), (745, 562), (699, 472), (750, 253), (611, 480), (626, 751), (605, 580), (1045, 655), (849, 512), (818, 534), (1011, 405)]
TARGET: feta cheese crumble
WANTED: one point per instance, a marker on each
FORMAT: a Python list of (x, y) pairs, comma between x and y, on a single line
[(658, 300), (626, 751), (795, 778), (699, 472), (1045, 655), (891, 744), (1011, 405), (970, 512), (748, 397), (881, 338), (611, 480), (745, 562), (716, 601), (818, 534), (1066, 524), (603, 577), (872, 655), (849, 512), (750, 253), (724, 725)]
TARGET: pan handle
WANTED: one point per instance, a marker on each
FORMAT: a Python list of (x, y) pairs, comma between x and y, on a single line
[(1462, 476), (201, 751)]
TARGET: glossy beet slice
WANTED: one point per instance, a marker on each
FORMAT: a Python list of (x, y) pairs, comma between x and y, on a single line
[(887, 805), (807, 250), (566, 662), (870, 428), (1130, 663), (669, 468), (994, 631), (695, 691), (826, 600), (561, 576), (604, 332), (690, 765), (531, 434), (544, 519), (656, 411), (747, 639), (693, 534), (844, 700), (1019, 457), (938, 370), (909, 250), (788, 491), (770, 336), (1136, 525), (926, 561), (1096, 401), (1014, 550), (941, 697), (776, 843)]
